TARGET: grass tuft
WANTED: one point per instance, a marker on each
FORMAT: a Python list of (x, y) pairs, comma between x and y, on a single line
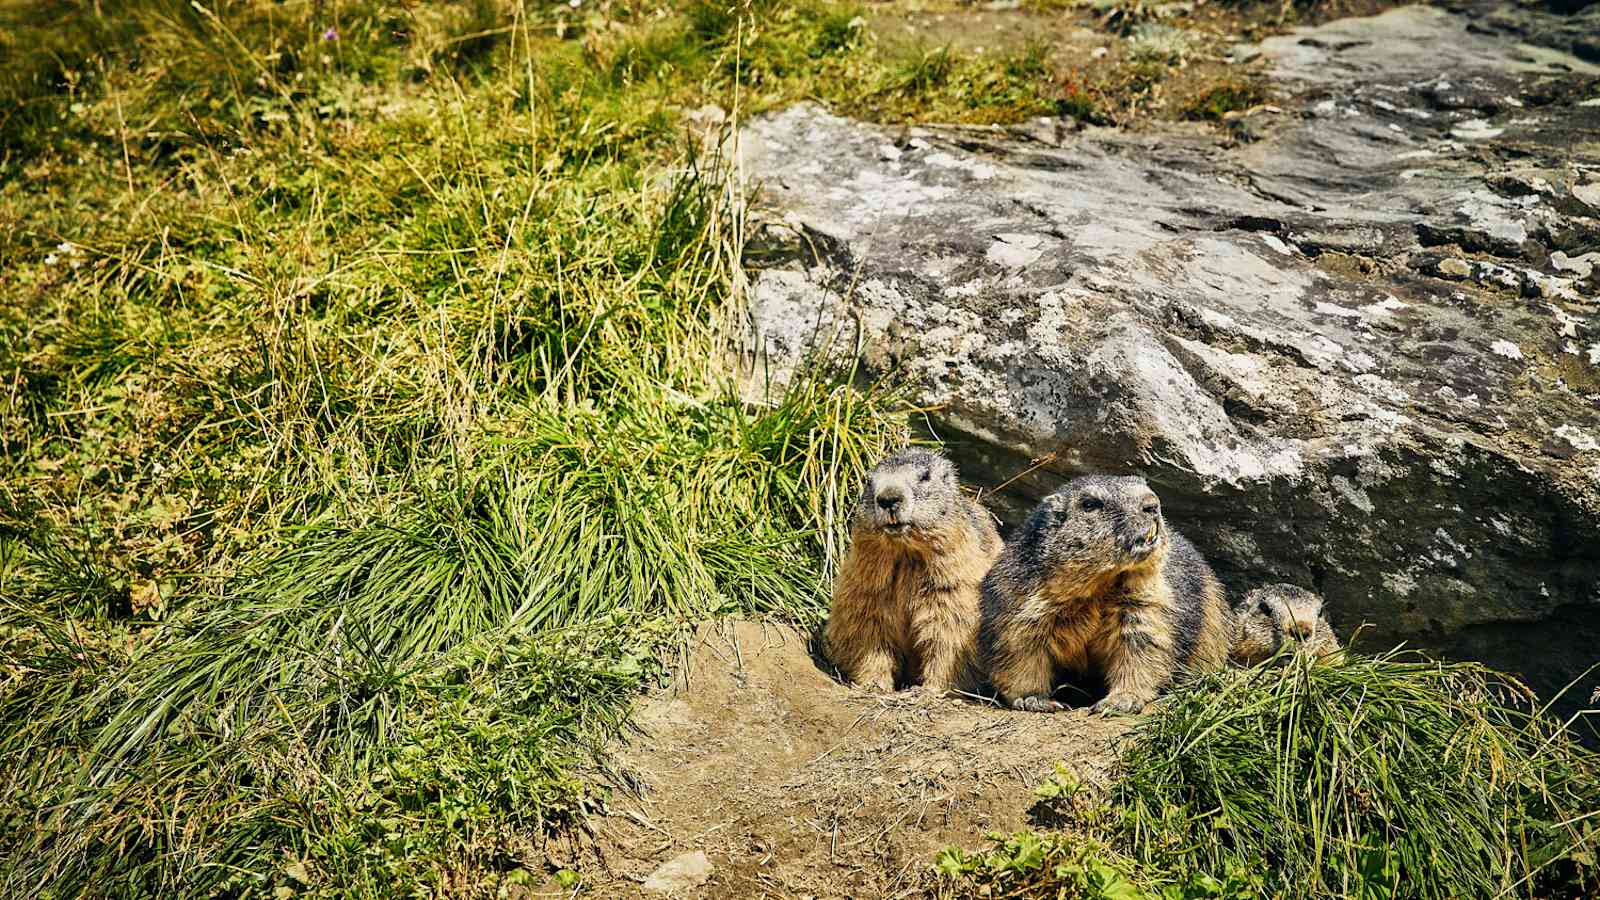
[(1228, 96), (1385, 776), (1389, 776)]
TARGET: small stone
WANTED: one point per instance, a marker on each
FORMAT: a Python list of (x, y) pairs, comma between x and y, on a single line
[(1588, 193), (680, 873), (1455, 267)]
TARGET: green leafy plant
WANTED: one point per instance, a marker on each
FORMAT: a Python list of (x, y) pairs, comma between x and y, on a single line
[(1069, 866)]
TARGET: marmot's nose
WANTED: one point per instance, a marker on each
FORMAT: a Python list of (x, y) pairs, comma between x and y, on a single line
[(890, 502), (1301, 629)]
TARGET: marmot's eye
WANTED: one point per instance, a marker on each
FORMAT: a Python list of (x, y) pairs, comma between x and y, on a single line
[(927, 474), (1090, 504), (1151, 508)]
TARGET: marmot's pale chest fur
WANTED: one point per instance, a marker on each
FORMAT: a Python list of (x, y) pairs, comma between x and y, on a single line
[(1095, 583), (905, 602)]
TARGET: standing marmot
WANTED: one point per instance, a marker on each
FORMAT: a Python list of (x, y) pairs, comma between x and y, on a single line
[(905, 603), (1095, 581), (1268, 616)]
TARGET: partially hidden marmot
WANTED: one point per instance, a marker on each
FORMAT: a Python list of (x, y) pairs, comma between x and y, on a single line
[(1268, 616), (1095, 582), (905, 602)]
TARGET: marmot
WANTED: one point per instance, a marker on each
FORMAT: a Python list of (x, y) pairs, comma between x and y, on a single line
[(1095, 581), (905, 602), (1268, 616)]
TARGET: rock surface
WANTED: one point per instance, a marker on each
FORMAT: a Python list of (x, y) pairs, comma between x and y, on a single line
[(1360, 352)]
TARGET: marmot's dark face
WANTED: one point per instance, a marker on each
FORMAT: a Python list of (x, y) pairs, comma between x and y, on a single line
[(1099, 523), (1287, 611), (911, 492)]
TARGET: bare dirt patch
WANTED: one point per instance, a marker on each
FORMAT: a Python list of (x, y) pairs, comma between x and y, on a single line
[(793, 784)]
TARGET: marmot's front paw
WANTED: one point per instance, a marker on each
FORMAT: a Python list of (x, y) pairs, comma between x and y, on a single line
[(1120, 703), (878, 685), (1037, 703)]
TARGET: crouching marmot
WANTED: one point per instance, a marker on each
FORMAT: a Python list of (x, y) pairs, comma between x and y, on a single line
[(905, 602), (1269, 616), (1095, 581)]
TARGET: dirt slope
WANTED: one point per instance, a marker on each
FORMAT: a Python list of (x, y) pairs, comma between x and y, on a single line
[(795, 785)]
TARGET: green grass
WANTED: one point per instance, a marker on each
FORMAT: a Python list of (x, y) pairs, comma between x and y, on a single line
[(368, 436), (1228, 96), (1376, 777), (1389, 776)]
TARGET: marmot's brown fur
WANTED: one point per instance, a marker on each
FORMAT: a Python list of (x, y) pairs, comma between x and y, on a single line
[(905, 602), (1268, 616), (1095, 582)]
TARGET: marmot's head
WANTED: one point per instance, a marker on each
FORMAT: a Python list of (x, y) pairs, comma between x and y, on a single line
[(1096, 525), (908, 494), (1271, 615)]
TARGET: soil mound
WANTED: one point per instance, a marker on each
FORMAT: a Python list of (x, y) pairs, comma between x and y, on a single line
[(793, 784)]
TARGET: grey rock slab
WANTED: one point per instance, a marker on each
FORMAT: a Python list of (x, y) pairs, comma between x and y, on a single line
[(1347, 354)]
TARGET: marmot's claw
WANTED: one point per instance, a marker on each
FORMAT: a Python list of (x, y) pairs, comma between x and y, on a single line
[(1037, 704), (1119, 703)]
